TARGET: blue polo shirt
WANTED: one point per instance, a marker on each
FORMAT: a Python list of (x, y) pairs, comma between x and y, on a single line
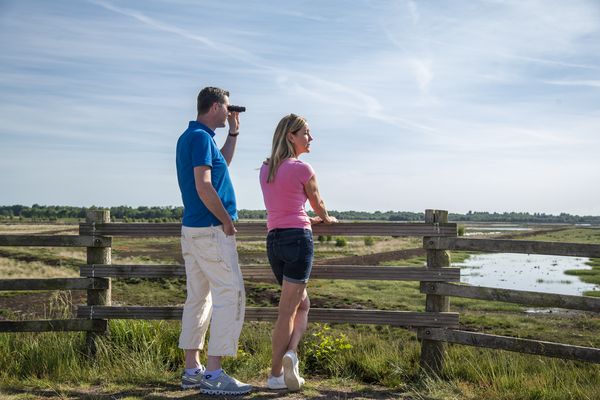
[(197, 147)]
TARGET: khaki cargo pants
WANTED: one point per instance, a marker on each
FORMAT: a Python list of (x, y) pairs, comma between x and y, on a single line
[(215, 291)]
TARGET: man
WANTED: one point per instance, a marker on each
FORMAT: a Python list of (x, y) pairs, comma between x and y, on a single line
[(215, 286)]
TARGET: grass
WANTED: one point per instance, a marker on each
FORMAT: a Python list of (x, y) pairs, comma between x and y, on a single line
[(456, 257), (589, 275), (50, 256), (140, 359), (141, 353), (573, 235)]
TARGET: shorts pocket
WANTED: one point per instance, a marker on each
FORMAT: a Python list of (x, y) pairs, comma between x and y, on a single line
[(289, 250), (228, 251), (307, 248), (207, 247)]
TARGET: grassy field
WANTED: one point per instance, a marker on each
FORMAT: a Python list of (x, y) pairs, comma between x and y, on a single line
[(140, 359)]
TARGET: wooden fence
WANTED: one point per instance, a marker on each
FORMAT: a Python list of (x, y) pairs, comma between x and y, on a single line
[(436, 326)]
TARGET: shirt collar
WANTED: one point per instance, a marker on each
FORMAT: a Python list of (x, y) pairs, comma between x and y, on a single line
[(195, 125)]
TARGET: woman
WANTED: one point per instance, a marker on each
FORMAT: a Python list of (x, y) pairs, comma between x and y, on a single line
[(286, 184)]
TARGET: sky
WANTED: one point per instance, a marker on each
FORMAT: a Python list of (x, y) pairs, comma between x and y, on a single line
[(456, 105)]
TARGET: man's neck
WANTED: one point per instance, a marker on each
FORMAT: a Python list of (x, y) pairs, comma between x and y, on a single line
[(203, 120)]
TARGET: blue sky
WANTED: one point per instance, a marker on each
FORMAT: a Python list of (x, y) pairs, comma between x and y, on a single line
[(457, 105)]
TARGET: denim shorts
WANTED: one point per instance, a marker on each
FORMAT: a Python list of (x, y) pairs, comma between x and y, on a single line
[(290, 252)]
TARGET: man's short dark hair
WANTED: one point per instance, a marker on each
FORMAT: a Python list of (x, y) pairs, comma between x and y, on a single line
[(209, 96)]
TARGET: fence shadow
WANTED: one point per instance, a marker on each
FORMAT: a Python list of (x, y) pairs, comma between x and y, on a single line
[(173, 391)]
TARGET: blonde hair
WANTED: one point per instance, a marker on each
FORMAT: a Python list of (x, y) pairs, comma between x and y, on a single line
[(282, 147)]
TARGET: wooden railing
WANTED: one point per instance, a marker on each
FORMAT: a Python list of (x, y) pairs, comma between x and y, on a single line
[(263, 273), (98, 288), (443, 290), (436, 326)]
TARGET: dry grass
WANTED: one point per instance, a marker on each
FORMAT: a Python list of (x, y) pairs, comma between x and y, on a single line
[(15, 229), (14, 269)]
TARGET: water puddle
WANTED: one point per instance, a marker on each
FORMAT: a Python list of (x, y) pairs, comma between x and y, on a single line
[(537, 273), (494, 230)]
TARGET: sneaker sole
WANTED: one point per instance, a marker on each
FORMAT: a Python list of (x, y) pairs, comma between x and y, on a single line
[(292, 381), (224, 392), (276, 388), (192, 386)]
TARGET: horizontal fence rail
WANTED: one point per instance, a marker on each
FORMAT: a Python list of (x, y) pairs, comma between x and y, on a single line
[(264, 273), (55, 241), (260, 229), (534, 299), (512, 246), (54, 284), (331, 315), (538, 347), (60, 325)]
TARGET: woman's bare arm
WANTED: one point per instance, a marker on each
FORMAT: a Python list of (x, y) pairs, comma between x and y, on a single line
[(316, 202)]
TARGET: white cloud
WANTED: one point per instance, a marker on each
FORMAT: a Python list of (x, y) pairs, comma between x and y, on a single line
[(486, 99), (588, 83), (423, 73)]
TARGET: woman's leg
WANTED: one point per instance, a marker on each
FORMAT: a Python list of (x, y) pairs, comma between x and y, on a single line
[(291, 298), (300, 322)]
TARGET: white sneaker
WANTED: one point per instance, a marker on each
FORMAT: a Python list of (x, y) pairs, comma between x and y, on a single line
[(276, 382), (291, 372)]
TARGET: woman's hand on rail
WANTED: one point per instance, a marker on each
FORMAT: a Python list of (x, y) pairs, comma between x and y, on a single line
[(315, 220), (319, 220)]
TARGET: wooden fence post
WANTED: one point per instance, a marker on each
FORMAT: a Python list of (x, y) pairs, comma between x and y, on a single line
[(433, 352), (97, 255)]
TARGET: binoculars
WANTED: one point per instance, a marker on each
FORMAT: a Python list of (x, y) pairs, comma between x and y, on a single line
[(236, 108)]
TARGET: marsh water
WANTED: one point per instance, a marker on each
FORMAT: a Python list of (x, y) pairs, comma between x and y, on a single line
[(537, 273)]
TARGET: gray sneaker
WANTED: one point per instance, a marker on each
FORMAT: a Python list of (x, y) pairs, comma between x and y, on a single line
[(192, 381), (224, 385)]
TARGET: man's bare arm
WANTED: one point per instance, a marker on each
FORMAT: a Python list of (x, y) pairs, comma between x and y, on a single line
[(228, 149), (211, 199)]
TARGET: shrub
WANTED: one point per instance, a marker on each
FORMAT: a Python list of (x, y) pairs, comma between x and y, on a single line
[(329, 238), (461, 230), (322, 349), (369, 241), (321, 238), (341, 242)]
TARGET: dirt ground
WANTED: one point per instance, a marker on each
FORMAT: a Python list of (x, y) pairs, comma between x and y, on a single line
[(313, 390)]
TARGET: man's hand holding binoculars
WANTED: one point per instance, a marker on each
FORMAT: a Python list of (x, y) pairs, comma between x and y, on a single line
[(233, 119)]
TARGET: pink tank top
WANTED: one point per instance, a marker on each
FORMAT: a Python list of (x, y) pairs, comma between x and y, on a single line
[(285, 196)]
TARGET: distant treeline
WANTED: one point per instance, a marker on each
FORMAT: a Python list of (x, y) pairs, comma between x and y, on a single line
[(120, 213), (173, 214), (523, 217)]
